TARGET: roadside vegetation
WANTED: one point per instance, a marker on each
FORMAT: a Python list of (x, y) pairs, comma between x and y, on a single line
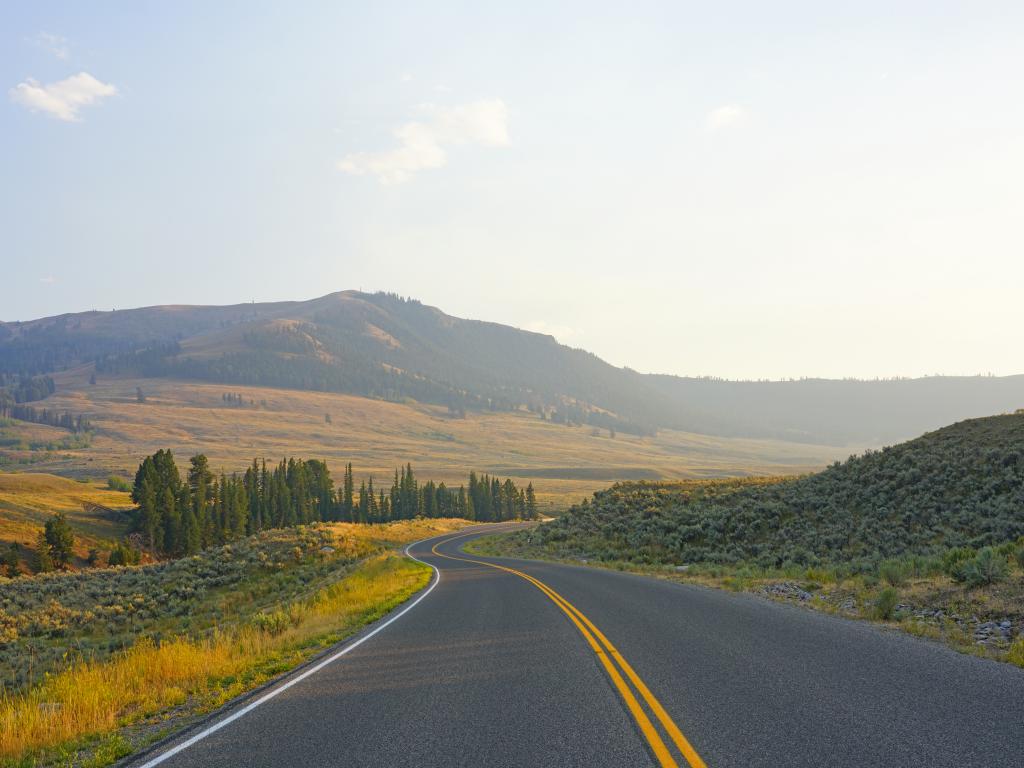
[(101, 662), (928, 533)]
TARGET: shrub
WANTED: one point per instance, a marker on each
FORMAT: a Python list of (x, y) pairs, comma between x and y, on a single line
[(124, 555), (116, 483), (986, 567), (1018, 555), (892, 572), (885, 603), (273, 623), (953, 560)]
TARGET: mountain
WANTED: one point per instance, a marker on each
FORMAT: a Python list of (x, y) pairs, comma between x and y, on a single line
[(960, 486), (384, 346)]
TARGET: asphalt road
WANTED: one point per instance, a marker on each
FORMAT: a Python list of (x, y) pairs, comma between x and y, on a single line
[(489, 669)]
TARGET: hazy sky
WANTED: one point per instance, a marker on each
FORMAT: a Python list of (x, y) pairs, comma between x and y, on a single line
[(749, 190)]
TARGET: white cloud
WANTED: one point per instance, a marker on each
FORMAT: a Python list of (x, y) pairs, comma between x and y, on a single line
[(64, 98), (724, 116), (55, 44), (48, 280), (421, 144)]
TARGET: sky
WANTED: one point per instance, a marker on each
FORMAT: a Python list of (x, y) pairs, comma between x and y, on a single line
[(746, 190)]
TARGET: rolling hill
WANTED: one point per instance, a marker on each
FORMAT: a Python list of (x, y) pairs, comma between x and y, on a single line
[(960, 486), (386, 347)]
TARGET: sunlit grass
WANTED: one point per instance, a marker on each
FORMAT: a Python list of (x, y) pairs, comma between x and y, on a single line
[(267, 624), (90, 699), (377, 436)]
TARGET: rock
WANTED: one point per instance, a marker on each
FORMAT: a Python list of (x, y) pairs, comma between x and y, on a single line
[(682, 568)]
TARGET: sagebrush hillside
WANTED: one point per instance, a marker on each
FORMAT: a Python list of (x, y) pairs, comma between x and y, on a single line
[(386, 347), (961, 486)]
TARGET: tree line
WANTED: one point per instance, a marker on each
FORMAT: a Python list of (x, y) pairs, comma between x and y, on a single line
[(26, 389), (181, 515), (53, 418)]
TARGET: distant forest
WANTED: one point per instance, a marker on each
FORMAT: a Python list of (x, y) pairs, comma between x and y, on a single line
[(179, 516)]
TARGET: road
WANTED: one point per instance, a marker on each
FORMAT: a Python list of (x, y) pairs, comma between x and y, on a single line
[(514, 666)]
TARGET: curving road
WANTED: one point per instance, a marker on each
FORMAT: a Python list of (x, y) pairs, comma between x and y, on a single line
[(537, 664)]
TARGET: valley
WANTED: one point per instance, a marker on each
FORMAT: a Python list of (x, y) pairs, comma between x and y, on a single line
[(565, 463)]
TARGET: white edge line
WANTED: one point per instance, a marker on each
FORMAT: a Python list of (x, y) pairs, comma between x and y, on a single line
[(299, 678)]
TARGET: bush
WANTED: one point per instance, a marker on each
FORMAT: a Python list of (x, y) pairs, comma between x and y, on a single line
[(1019, 557), (953, 560), (885, 603), (124, 555), (116, 483), (272, 623), (892, 572), (986, 567)]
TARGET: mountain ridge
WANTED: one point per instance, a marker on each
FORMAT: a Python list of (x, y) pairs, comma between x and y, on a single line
[(381, 345)]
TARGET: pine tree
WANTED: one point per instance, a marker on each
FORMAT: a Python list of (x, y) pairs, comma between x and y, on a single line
[(60, 539), (531, 503), (364, 504), (149, 516), (44, 562), (347, 504), (191, 536)]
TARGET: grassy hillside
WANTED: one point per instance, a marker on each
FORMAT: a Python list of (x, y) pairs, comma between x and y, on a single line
[(385, 347), (961, 486), (565, 463), (28, 500), (96, 663)]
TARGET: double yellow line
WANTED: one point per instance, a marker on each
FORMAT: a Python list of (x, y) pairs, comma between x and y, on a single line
[(613, 662)]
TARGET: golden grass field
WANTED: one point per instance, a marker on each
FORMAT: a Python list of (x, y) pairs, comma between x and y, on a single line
[(565, 463), (27, 500)]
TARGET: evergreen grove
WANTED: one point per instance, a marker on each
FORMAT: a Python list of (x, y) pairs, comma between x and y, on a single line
[(180, 516)]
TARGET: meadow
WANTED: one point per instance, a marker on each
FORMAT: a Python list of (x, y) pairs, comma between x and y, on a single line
[(97, 514), (565, 463), (98, 663)]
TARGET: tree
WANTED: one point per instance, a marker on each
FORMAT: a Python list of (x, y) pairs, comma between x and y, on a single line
[(11, 558), (92, 379), (200, 482), (60, 539), (140, 396), (44, 562), (531, 503)]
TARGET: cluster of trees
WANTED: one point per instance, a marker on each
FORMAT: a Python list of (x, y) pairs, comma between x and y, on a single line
[(179, 516), (961, 486), (232, 398), (25, 389), (52, 418)]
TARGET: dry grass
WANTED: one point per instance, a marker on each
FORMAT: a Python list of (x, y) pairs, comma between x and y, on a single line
[(565, 463), (28, 500), (91, 699)]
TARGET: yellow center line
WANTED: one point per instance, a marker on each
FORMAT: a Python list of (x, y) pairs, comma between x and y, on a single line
[(604, 649)]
